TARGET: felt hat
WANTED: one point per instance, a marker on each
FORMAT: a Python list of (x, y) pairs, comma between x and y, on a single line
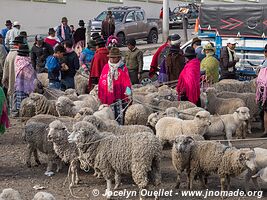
[(100, 41), (81, 22), (195, 40), (8, 23), (189, 52), (23, 50), (175, 39), (91, 44), (51, 31), (131, 41), (19, 40), (114, 52), (95, 36), (209, 46)]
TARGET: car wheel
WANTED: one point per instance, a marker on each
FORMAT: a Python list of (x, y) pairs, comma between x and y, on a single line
[(121, 38), (152, 37), (145, 79)]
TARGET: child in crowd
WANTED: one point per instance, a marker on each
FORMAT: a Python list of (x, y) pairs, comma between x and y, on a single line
[(53, 66)]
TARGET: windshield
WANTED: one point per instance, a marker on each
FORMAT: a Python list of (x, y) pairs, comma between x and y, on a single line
[(118, 16)]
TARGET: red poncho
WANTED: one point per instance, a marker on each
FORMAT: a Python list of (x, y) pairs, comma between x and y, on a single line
[(119, 85), (189, 81), (154, 63), (98, 62)]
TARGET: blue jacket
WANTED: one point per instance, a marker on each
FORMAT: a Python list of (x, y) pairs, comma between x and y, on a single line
[(68, 34), (87, 56), (53, 67)]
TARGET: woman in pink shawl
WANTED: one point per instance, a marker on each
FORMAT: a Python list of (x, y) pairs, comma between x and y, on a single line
[(188, 86), (114, 85), (25, 76)]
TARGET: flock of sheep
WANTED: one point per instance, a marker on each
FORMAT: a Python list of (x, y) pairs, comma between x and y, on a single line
[(78, 130)]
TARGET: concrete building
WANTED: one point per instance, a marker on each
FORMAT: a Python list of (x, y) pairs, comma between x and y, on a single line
[(36, 16)]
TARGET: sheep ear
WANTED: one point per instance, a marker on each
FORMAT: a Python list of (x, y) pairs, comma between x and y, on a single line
[(190, 139), (198, 116)]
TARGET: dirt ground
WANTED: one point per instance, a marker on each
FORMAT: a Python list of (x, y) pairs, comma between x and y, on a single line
[(15, 174)]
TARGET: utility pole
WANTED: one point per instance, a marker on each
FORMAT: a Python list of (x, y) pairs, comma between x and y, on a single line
[(165, 21), (88, 32)]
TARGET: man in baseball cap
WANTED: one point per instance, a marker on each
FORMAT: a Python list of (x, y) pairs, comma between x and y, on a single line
[(228, 60)]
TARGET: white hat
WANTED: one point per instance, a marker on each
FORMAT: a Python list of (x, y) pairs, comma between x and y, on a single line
[(231, 41), (16, 23)]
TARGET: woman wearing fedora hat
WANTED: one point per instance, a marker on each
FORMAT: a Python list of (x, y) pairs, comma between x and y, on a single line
[(25, 76), (188, 86), (114, 85), (210, 64)]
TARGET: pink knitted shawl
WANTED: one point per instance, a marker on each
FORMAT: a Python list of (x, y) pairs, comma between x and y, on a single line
[(261, 90)]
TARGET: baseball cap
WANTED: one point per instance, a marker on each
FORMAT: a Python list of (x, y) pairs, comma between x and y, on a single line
[(231, 41)]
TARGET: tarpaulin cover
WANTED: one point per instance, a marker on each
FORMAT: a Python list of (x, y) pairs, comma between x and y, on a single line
[(235, 20)]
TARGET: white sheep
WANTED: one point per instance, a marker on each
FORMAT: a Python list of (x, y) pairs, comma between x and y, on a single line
[(68, 153), (235, 162), (181, 151), (228, 124), (232, 85), (43, 196), (222, 106), (10, 194), (153, 118), (168, 128), (261, 164), (66, 107), (136, 154), (105, 112), (81, 84), (111, 126), (36, 137)]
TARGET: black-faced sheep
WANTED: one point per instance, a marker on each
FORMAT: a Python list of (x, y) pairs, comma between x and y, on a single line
[(136, 154)]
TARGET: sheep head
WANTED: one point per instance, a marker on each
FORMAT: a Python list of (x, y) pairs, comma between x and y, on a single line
[(43, 195), (83, 132), (172, 112), (153, 119), (64, 105), (57, 131), (247, 159), (183, 143), (96, 121), (243, 113), (203, 117)]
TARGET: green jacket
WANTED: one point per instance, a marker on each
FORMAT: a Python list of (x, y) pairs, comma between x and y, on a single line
[(134, 60), (211, 65)]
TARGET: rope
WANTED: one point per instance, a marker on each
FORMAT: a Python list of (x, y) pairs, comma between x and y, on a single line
[(49, 91)]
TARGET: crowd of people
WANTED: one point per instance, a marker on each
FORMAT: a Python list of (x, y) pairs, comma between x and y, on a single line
[(63, 52)]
